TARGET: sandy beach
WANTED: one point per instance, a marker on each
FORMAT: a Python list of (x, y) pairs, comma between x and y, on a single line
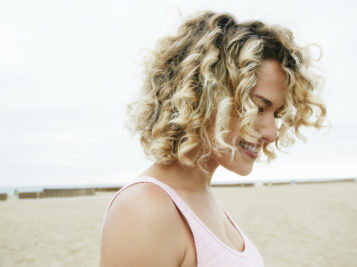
[(292, 225)]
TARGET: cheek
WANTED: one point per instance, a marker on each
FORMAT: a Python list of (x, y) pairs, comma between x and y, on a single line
[(234, 132), (235, 125)]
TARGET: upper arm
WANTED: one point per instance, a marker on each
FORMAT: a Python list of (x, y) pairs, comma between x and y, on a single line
[(142, 228)]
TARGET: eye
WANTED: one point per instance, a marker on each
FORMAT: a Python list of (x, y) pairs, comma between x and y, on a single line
[(260, 109), (277, 115)]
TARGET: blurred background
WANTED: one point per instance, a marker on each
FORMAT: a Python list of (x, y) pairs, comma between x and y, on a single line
[(69, 68)]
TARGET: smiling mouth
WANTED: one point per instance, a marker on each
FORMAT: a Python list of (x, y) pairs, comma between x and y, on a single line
[(250, 149)]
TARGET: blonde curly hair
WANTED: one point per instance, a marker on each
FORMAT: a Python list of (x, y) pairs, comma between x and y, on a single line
[(203, 76)]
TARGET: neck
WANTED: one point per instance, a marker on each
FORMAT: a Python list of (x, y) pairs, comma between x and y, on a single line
[(182, 177)]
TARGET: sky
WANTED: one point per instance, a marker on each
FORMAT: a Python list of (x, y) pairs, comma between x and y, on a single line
[(68, 69)]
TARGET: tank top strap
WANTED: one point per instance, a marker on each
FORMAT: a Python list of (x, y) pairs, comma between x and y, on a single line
[(178, 201)]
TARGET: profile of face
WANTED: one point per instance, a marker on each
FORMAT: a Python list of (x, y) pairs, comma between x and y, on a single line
[(268, 95)]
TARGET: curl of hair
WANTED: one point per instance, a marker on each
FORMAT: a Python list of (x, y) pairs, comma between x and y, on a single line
[(203, 76)]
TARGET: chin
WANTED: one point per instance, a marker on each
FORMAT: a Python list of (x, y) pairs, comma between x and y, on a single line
[(243, 172), (240, 165), (241, 169)]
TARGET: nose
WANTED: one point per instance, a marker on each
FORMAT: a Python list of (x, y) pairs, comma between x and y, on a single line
[(268, 129)]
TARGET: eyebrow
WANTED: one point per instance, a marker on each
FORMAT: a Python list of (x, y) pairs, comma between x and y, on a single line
[(266, 101)]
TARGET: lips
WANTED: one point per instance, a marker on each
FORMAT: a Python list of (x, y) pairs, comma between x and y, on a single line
[(250, 149)]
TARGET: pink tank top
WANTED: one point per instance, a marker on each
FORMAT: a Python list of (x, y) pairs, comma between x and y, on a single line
[(210, 250)]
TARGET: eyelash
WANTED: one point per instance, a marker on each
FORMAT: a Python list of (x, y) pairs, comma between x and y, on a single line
[(276, 114), (260, 109)]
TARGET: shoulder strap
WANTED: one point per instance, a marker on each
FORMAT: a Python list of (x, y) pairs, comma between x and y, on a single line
[(178, 201)]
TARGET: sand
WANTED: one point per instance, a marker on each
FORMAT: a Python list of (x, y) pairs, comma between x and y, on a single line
[(292, 225)]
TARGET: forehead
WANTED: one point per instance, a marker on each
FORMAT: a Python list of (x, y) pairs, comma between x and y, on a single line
[(270, 82)]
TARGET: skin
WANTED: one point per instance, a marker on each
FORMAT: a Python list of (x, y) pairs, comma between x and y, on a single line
[(153, 232)]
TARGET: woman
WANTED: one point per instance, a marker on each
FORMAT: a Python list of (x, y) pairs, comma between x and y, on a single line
[(216, 93)]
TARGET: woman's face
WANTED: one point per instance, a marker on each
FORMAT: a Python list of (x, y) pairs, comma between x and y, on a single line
[(268, 95)]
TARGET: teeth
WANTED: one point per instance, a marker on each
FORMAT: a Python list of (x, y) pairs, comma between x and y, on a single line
[(250, 147)]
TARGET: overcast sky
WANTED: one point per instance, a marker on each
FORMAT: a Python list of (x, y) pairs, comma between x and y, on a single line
[(69, 68)]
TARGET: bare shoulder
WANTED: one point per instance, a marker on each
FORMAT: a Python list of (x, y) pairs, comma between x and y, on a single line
[(143, 228)]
